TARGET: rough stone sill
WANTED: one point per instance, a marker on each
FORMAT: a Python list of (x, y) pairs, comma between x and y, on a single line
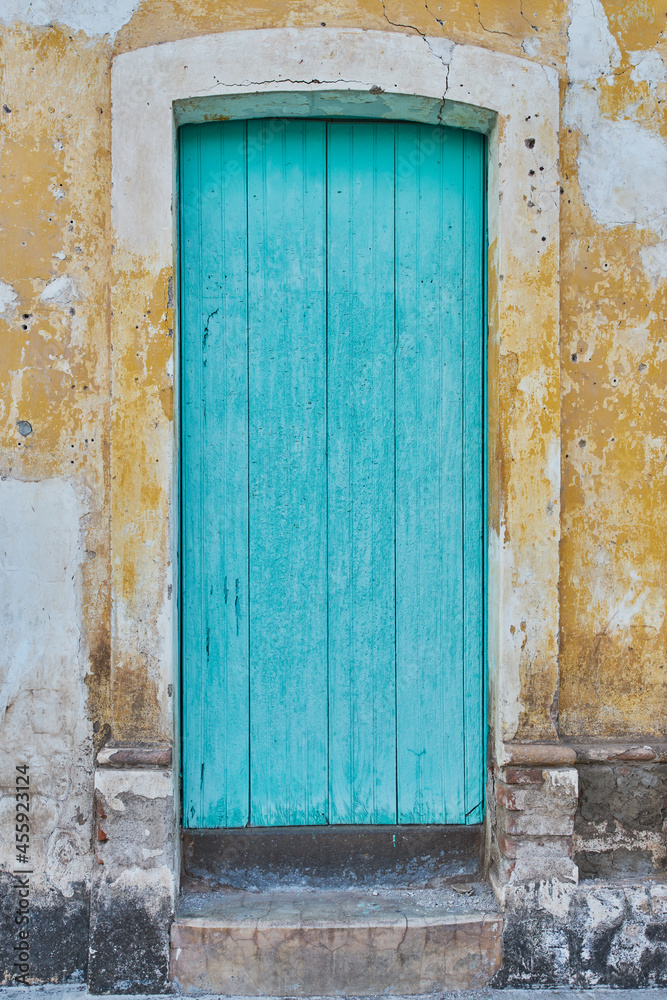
[(134, 755), (591, 751)]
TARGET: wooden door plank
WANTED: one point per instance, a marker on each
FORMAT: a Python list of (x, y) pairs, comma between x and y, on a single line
[(434, 396), (214, 475), (474, 493), (287, 428), (429, 456), (361, 473)]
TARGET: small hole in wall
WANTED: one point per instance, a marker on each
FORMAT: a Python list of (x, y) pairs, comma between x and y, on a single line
[(530, 143), (575, 357)]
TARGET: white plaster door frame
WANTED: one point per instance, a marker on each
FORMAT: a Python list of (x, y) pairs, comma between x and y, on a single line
[(516, 103)]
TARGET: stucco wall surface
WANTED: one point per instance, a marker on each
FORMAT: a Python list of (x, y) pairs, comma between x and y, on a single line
[(60, 282), (56, 274), (45, 731)]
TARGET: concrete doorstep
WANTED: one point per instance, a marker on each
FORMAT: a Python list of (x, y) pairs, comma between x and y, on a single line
[(309, 942)]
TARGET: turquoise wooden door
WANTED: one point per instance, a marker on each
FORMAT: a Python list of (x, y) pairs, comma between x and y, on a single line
[(332, 473)]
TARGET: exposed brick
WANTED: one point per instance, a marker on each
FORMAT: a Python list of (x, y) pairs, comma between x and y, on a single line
[(523, 776), (505, 796), (509, 846)]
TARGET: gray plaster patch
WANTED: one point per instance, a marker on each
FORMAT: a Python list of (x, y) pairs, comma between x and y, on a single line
[(93, 17), (61, 291), (592, 50), (8, 300), (622, 164), (42, 686)]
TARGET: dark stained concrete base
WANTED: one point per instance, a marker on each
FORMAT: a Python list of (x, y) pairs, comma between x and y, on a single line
[(332, 857), (57, 934), (595, 933)]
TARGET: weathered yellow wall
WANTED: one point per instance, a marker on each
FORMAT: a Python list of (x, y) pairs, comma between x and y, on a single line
[(54, 361), (614, 351), (54, 269)]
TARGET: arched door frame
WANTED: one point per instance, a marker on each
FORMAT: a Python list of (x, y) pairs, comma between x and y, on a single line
[(515, 102)]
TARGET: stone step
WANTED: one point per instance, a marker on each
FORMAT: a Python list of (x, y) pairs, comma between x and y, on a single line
[(308, 942)]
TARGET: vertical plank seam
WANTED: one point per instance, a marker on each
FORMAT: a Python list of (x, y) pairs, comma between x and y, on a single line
[(200, 498), (396, 772), (224, 651), (247, 372), (326, 442), (180, 478), (464, 566), (484, 333)]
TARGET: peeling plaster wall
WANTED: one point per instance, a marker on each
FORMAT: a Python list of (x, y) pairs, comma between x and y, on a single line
[(44, 722), (54, 425), (614, 420), (54, 310), (59, 282)]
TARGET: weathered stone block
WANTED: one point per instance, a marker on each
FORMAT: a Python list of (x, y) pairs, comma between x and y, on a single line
[(523, 859), (133, 881), (535, 824)]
